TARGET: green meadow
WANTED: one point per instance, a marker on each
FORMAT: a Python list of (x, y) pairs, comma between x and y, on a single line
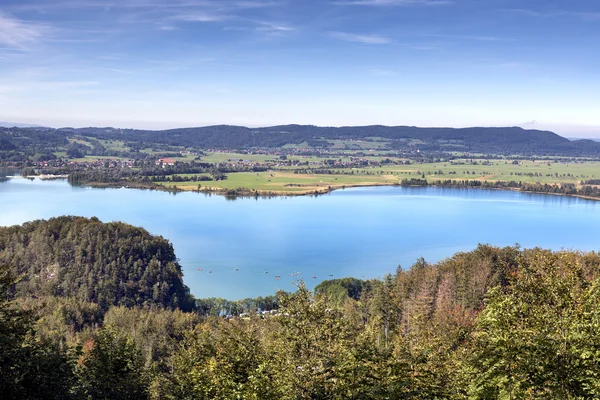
[(285, 182), (501, 170), (282, 180)]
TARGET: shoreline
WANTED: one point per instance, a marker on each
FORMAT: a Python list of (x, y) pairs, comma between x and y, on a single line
[(252, 193)]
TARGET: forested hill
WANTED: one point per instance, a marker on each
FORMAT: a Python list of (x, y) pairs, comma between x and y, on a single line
[(108, 264), (509, 140)]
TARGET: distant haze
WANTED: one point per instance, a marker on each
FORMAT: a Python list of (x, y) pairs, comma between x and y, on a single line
[(18, 125)]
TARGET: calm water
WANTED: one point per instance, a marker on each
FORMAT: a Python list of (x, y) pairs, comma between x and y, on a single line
[(363, 232)]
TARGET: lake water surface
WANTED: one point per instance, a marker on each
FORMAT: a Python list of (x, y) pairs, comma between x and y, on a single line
[(361, 232)]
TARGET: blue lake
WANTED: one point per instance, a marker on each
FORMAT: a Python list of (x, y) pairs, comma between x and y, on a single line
[(361, 232)]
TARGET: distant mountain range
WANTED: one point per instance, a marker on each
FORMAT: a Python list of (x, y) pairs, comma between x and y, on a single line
[(488, 140), (577, 138), (18, 125), (498, 140)]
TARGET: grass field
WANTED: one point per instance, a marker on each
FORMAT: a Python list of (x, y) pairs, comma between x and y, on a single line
[(163, 153), (97, 158), (500, 170), (376, 144), (282, 180), (114, 145), (286, 182), (234, 157)]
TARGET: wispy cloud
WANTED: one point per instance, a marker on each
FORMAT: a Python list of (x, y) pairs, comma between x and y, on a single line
[(265, 28), (481, 38), (273, 27), (394, 2), (583, 15), (118, 70), (108, 5), (200, 17), (509, 65), (166, 27), (382, 72), (18, 34), (588, 16), (531, 13), (358, 38), (422, 48), (44, 85)]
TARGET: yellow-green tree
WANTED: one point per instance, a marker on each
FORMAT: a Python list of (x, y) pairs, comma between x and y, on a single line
[(539, 337)]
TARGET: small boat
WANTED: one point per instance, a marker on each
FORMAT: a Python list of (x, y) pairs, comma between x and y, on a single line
[(314, 277), (266, 272), (236, 269), (199, 269), (210, 272), (291, 274), (330, 274), (278, 277)]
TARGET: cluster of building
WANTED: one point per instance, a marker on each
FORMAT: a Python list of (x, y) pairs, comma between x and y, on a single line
[(98, 163)]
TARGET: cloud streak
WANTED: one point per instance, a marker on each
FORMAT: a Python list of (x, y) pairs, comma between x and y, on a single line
[(361, 38), (481, 38), (382, 72), (272, 27), (394, 2), (583, 15), (199, 17), (108, 5), (18, 34), (45, 85)]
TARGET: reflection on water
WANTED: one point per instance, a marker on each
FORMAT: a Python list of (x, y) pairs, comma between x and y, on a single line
[(362, 232), (4, 172)]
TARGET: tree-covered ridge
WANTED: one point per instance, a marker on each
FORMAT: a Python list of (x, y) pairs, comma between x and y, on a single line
[(16, 143), (108, 264), (497, 140)]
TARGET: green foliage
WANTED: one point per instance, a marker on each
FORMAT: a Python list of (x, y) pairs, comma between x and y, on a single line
[(338, 290), (108, 264), (494, 323), (111, 367), (539, 337), (18, 144), (313, 352), (156, 332), (29, 368), (61, 320)]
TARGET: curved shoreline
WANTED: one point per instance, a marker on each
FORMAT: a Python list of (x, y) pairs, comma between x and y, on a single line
[(252, 193)]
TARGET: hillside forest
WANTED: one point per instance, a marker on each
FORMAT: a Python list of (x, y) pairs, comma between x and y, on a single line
[(90, 310)]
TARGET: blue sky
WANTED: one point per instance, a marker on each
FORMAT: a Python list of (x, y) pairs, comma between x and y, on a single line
[(159, 63)]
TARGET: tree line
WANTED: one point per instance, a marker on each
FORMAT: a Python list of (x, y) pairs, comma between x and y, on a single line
[(563, 188)]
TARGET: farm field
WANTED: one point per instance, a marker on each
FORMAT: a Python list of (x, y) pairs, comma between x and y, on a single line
[(88, 159), (218, 157), (501, 170), (282, 182)]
